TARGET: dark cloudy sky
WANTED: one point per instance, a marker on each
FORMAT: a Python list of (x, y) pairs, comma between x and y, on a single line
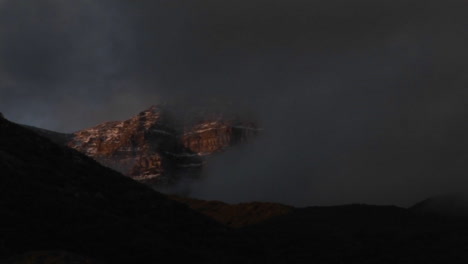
[(361, 101)]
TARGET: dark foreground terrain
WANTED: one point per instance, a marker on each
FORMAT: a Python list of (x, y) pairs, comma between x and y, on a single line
[(59, 206)]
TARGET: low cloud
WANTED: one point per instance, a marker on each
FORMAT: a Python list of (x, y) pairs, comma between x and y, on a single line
[(360, 101)]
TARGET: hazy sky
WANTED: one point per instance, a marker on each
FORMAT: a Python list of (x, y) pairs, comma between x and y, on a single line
[(361, 101)]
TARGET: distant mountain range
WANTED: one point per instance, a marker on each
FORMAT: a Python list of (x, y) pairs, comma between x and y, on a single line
[(157, 147)]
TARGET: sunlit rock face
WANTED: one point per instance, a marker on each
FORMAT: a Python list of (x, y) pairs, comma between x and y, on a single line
[(155, 147), (207, 137), (145, 147)]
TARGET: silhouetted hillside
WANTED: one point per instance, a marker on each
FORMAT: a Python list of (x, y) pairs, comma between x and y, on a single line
[(361, 234), (54, 198)]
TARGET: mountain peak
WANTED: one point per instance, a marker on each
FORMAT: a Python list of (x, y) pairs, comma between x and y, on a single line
[(154, 109), (155, 148)]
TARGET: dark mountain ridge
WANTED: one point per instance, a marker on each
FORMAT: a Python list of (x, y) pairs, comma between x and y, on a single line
[(236, 215)]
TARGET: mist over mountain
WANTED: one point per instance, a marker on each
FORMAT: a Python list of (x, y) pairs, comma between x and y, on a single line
[(59, 206), (360, 101), (157, 148)]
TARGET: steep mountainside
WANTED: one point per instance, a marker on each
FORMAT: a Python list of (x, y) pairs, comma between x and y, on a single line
[(55, 198), (145, 147), (210, 136), (59, 138), (154, 147)]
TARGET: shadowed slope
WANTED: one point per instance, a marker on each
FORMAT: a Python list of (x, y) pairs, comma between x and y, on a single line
[(236, 215), (52, 197)]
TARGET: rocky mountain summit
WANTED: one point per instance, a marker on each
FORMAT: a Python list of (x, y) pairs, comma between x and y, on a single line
[(207, 137), (156, 147)]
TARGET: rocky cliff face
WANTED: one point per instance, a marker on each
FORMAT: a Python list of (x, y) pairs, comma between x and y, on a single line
[(209, 136), (154, 147), (145, 147)]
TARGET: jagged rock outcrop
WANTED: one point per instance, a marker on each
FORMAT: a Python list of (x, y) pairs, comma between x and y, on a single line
[(145, 147), (207, 137), (154, 147)]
